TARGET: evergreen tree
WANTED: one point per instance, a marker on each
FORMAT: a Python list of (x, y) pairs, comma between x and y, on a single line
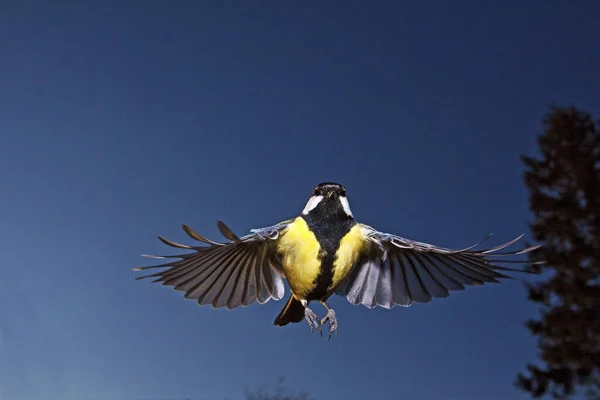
[(564, 196)]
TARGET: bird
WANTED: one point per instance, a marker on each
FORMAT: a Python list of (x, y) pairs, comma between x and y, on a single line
[(322, 252)]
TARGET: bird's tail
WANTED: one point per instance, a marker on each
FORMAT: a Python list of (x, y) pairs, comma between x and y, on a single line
[(293, 311)]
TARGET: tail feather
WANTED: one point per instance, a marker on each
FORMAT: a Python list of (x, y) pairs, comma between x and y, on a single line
[(293, 311)]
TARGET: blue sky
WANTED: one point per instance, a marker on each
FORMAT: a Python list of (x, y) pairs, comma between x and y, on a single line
[(119, 122)]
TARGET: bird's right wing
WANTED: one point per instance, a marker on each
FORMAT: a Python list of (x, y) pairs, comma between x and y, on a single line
[(229, 274)]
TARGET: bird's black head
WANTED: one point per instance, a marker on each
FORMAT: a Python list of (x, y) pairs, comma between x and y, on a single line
[(328, 189), (328, 198)]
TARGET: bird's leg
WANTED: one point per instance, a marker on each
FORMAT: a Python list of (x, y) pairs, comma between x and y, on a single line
[(311, 318), (333, 324)]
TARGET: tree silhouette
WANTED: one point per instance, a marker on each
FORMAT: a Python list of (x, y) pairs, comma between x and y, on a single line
[(564, 196), (280, 392)]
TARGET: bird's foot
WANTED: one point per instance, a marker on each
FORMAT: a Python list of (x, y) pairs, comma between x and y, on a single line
[(333, 324), (312, 320)]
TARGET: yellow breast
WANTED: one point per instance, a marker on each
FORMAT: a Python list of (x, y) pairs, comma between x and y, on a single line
[(351, 247), (300, 254)]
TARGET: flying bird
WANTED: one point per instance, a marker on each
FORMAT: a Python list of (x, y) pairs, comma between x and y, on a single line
[(324, 251)]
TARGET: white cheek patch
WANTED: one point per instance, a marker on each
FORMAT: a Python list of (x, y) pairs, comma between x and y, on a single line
[(345, 205), (312, 203)]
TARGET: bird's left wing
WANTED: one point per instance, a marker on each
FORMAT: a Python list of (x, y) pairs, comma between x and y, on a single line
[(231, 274), (398, 271)]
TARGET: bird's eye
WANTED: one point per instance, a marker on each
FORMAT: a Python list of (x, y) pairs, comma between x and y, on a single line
[(343, 192)]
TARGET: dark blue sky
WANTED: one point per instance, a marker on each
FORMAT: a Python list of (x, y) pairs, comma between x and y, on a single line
[(119, 122)]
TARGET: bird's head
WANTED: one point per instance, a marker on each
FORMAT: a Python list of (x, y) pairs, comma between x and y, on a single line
[(328, 198)]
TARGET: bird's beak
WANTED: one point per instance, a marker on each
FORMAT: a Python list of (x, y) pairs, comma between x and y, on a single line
[(330, 195)]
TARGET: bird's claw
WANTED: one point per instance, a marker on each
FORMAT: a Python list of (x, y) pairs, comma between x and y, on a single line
[(312, 320), (333, 324)]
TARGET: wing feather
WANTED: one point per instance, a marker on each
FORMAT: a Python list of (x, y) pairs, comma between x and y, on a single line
[(194, 235), (443, 275), (231, 274), (226, 283), (207, 291), (429, 281), (400, 289), (189, 276), (356, 286), (201, 280), (398, 271), (417, 288), (225, 231), (265, 281), (369, 289), (223, 298), (384, 293), (251, 286), (237, 290)]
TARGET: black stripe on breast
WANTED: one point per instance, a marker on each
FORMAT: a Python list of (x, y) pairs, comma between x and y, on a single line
[(329, 231)]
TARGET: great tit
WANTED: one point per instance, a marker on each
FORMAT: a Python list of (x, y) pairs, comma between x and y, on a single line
[(322, 252)]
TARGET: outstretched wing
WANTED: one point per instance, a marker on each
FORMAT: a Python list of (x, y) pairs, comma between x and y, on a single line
[(229, 274), (398, 271)]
